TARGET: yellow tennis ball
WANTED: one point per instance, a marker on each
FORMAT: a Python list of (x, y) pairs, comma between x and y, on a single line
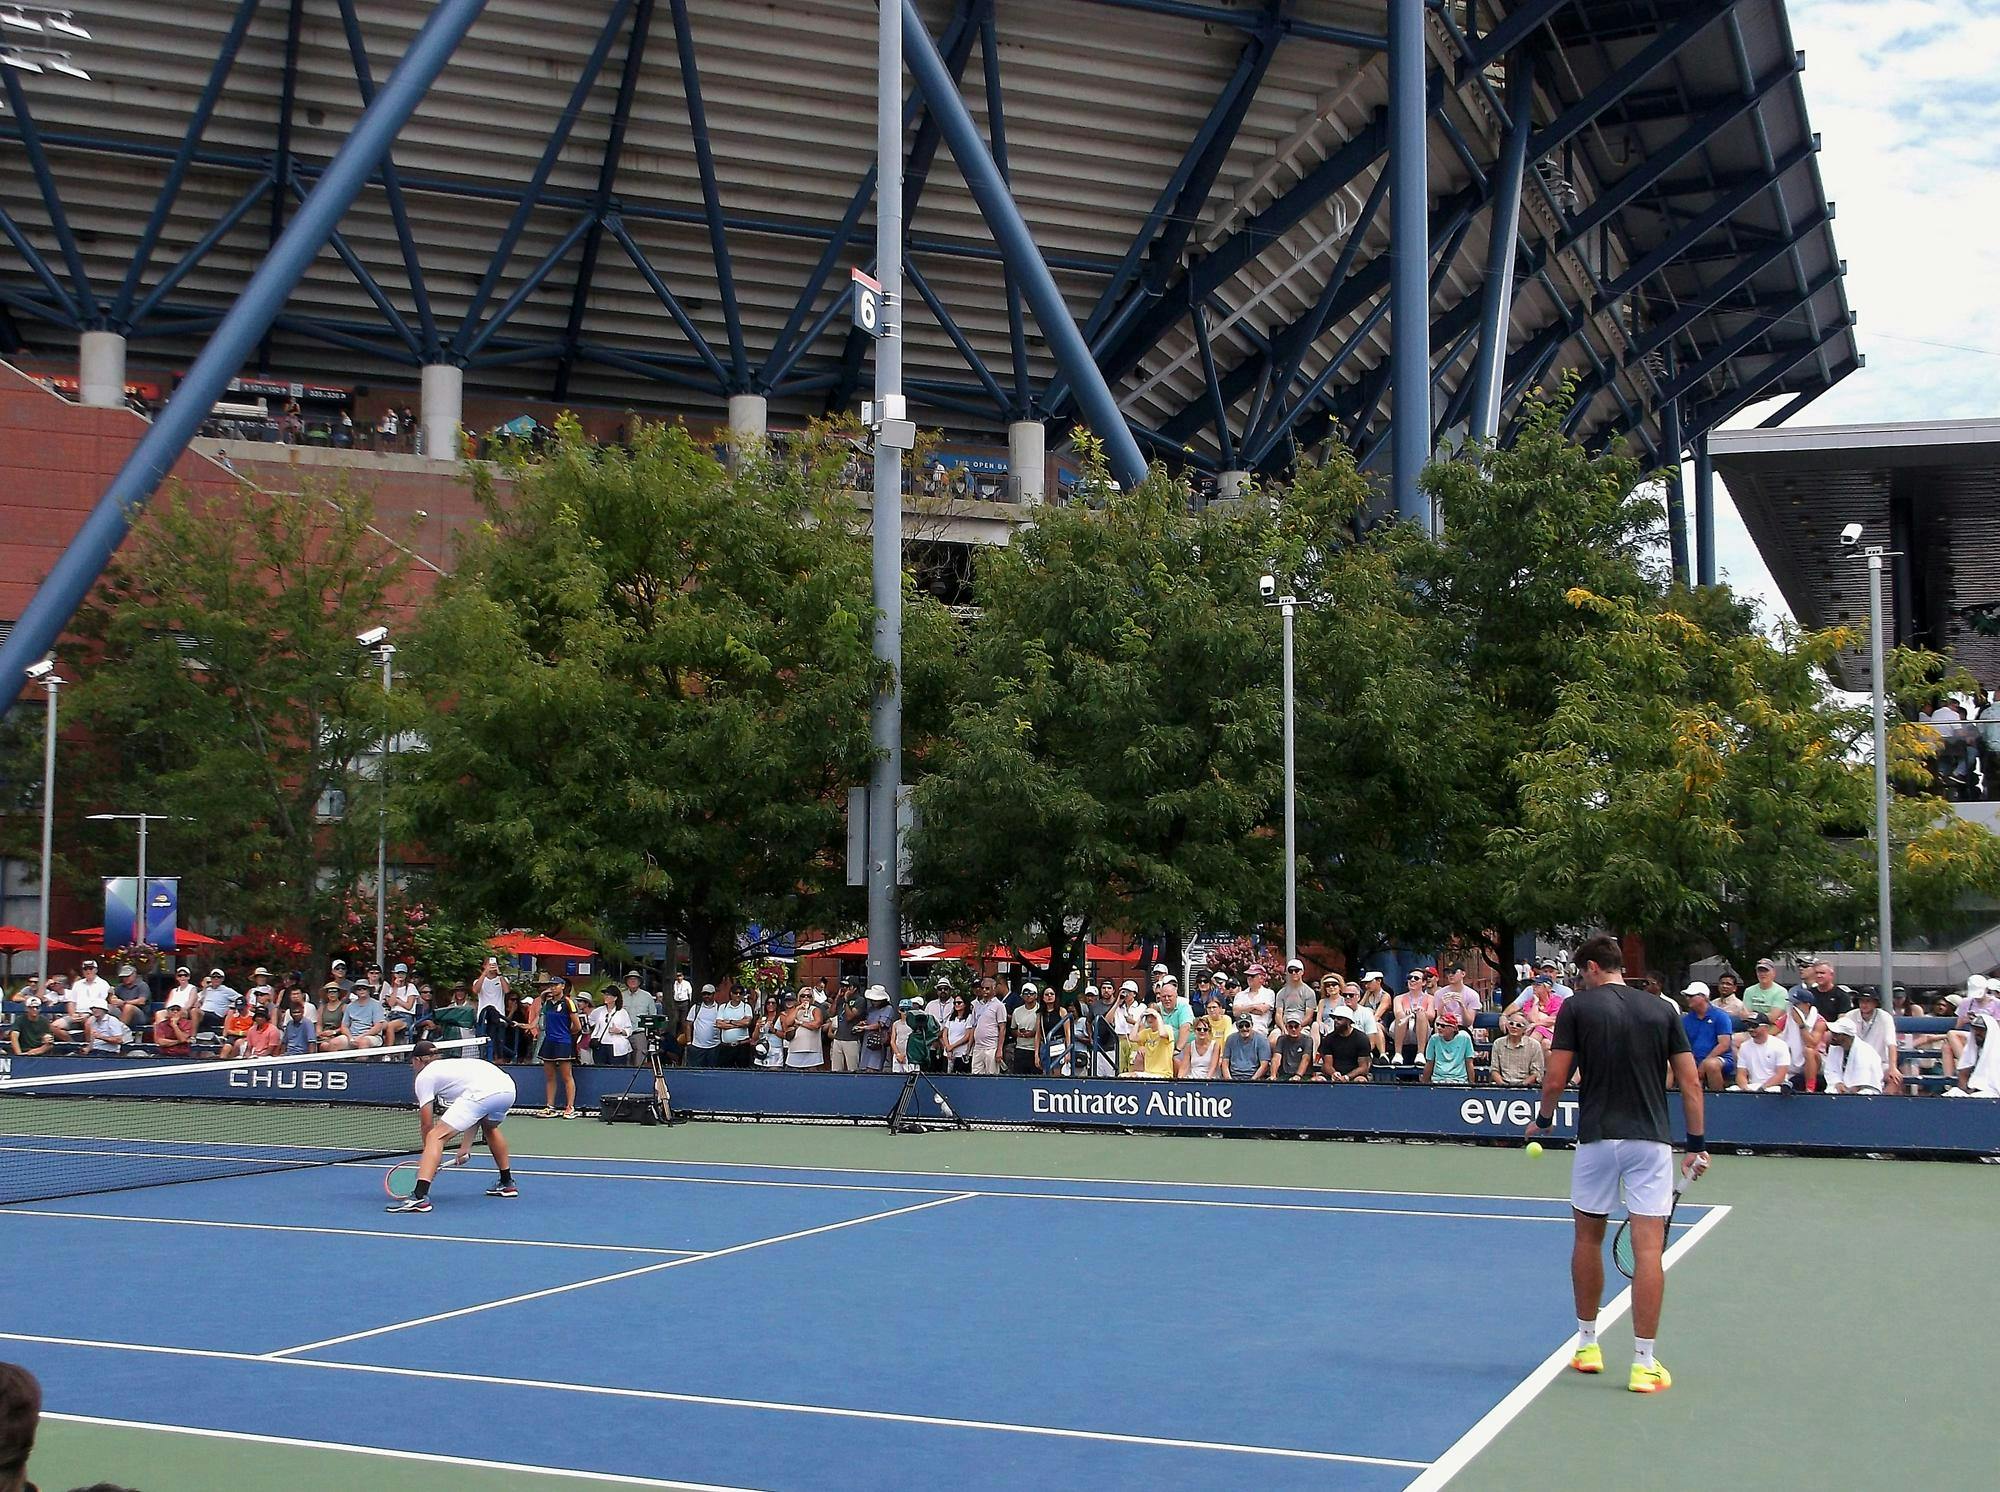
[(1534, 1147)]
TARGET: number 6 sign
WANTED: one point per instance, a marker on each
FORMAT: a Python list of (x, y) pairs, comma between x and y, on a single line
[(867, 303)]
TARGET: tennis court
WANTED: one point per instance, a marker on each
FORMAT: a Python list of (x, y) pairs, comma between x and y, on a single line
[(781, 1306)]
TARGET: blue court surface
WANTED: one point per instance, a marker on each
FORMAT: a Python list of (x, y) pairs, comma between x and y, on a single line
[(681, 1324)]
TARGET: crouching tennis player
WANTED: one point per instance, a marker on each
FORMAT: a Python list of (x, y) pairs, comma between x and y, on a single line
[(473, 1092)]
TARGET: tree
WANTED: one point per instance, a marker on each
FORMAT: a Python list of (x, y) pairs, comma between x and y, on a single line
[(645, 691), (217, 679), (1114, 760)]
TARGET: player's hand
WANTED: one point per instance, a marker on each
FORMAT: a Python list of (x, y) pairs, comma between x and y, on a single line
[(1534, 1128), (1693, 1164)]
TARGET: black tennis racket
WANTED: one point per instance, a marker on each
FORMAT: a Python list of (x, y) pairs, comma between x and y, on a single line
[(1621, 1245)]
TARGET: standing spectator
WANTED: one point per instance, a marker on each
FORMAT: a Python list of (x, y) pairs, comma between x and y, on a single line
[(1255, 1000), (736, 1024), (1053, 1042), (1517, 1061), (1295, 997), (643, 1006), (1125, 1020), (32, 1035), (921, 1040), (1344, 1053), (611, 1031), (849, 1011), (1763, 1063), (489, 995), (1766, 996), (1987, 717), (1411, 1027), (1152, 1047), (704, 1046), (768, 1036), (1852, 1065), (1247, 1054), (1805, 1035), (456, 1020), (989, 1021), (1711, 1038), (173, 1031), (1024, 1031), (262, 1039), (938, 1006), (520, 1027), (958, 1036), (1201, 1058), (805, 1046), (388, 429), (1448, 1054), (875, 1028), (557, 1024), (1292, 1052)]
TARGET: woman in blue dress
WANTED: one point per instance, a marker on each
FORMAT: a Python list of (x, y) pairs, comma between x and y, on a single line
[(555, 1026)]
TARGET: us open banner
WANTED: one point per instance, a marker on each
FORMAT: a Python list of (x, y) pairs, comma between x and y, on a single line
[(123, 922)]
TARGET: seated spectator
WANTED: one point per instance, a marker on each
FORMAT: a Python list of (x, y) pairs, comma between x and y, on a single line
[(1292, 1052), (106, 1033), (1461, 997), (1763, 1063), (1979, 1063), (1767, 995), (130, 997), (235, 1026), (1247, 1054), (1980, 998), (1345, 1055), (1294, 998), (1852, 1065), (1448, 1055), (1152, 1047), (1411, 1027), (173, 1031), (1538, 1005), (1374, 1008), (1175, 1013), (32, 1034), (399, 1007), (1804, 1030), (1255, 1000), (86, 996), (1711, 1037), (1517, 1060), (1877, 1027), (298, 1023), (263, 1039), (1202, 1056), (361, 1023), (1729, 997), (332, 1006)]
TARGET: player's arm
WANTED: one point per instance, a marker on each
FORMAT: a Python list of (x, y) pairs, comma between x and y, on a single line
[(1694, 1110), (1555, 1077)]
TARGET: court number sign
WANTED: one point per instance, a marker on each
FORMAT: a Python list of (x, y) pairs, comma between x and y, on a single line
[(867, 303)]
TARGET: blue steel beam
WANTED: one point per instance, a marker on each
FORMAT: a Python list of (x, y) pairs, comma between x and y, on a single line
[(72, 313), (1670, 449), (996, 129), (1714, 294), (1799, 401), (204, 109), (89, 312), (281, 156), (1409, 262), (1003, 217), (1503, 248), (392, 188), (1648, 60), (220, 229), (1001, 403), (1217, 16), (530, 284), (668, 299), (1704, 512), (1520, 22), (711, 193), (1224, 443), (368, 284), (76, 570), (532, 195), (1783, 361), (607, 181), (1754, 328)]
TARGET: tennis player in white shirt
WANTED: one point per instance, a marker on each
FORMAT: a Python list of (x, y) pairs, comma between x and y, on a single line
[(474, 1093)]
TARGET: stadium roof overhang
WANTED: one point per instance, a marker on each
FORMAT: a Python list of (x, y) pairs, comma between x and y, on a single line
[(657, 205), (1928, 491)]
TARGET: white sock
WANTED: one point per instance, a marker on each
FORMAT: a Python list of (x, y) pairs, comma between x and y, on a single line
[(1642, 1351), (1586, 1333)]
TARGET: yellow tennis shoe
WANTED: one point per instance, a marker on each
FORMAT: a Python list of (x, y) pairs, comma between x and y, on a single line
[(1588, 1359), (1653, 1380)]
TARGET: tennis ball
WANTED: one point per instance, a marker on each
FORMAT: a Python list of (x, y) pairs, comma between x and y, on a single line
[(1534, 1147)]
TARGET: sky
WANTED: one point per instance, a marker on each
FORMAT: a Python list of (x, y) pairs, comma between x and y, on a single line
[(1905, 95)]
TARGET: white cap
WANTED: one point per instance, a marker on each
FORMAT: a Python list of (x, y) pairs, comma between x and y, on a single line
[(1375, 974), (1976, 984), (1295, 963), (1129, 987), (1340, 1013), (1695, 987), (1847, 1026), (1161, 969), (1028, 987)]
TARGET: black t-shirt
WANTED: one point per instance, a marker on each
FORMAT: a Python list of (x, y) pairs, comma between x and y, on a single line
[(1625, 1040), (1346, 1051), (1832, 1003), (1289, 1049)]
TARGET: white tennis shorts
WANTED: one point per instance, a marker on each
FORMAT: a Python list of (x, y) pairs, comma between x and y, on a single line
[(1642, 1170), (468, 1112)]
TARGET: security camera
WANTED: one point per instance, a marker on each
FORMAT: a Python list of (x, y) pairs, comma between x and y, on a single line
[(374, 637), (1851, 535), (42, 669), (1267, 586)]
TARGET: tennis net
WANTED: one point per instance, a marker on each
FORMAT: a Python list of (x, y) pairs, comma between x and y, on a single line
[(80, 1133)]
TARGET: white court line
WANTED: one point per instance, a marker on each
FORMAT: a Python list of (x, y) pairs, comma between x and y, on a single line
[(202, 1222), (1233, 1186), (607, 1279), (520, 1467), (665, 1396), (1496, 1419)]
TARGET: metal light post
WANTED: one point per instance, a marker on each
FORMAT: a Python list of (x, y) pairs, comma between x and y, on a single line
[(376, 640), (144, 820), (1875, 555), (46, 672), (1287, 607)]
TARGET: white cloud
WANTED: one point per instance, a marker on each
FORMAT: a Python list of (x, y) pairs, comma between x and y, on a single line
[(1906, 95)]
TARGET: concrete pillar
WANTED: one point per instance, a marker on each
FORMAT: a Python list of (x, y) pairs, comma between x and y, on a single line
[(1231, 484), (747, 416), (1027, 462), (101, 370), (443, 410)]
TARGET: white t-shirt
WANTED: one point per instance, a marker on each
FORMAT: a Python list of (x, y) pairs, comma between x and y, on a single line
[(107, 1032), (683, 989), (1760, 1060), (1255, 1003), (490, 992), (613, 1027), (181, 996), (1857, 1068), (1879, 1033), (735, 1010), (448, 1079), (1796, 1027), (86, 995)]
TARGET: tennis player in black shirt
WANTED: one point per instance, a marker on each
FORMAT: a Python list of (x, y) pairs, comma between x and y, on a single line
[(1623, 1043)]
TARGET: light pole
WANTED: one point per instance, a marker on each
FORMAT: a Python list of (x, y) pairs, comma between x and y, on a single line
[(144, 820), (1875, 554), (45, 671), (1287, 607), (376, 640)]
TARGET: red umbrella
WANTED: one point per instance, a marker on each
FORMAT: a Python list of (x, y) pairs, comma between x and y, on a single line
[(852, 948), (20, 940), (1095, 953), (534, 945), (186, 937)]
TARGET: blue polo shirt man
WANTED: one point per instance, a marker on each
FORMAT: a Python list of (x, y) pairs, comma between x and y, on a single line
[(1711, 1034)]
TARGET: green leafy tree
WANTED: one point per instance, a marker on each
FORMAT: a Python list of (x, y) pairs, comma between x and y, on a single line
[(217, 680), (645, 692)]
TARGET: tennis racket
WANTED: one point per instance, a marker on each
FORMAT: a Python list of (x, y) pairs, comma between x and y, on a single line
[(1621, 1245), (400, 1181)]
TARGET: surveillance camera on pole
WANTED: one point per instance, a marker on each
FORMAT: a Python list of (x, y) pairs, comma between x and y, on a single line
[(1851, 535), (42, 669), (374, 637), (1267, 586)]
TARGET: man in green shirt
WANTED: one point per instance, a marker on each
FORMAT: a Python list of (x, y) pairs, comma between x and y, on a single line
[(32, 1036), (1767, 995)]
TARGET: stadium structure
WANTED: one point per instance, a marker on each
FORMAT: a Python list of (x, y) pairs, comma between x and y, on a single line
[(629, 204)]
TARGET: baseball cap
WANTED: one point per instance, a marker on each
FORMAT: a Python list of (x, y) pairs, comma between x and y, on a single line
[(1695, 987), (399, 969), (1159, 969), (1543, 979), (33, 1002), (185, 970), (1760, 1019), (708, 989), (1765, 963), (1243, 1023), (1869, 992), (1976, 984), (1292, 1020), (1340, 1013), (1802, 995), (217, 974), (1447, 1017), (1129, 987), (1029, 987), (1295, 963), (124, 969), (1254, 969), (339, 963), (1846, 1026), (263, 1010)]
